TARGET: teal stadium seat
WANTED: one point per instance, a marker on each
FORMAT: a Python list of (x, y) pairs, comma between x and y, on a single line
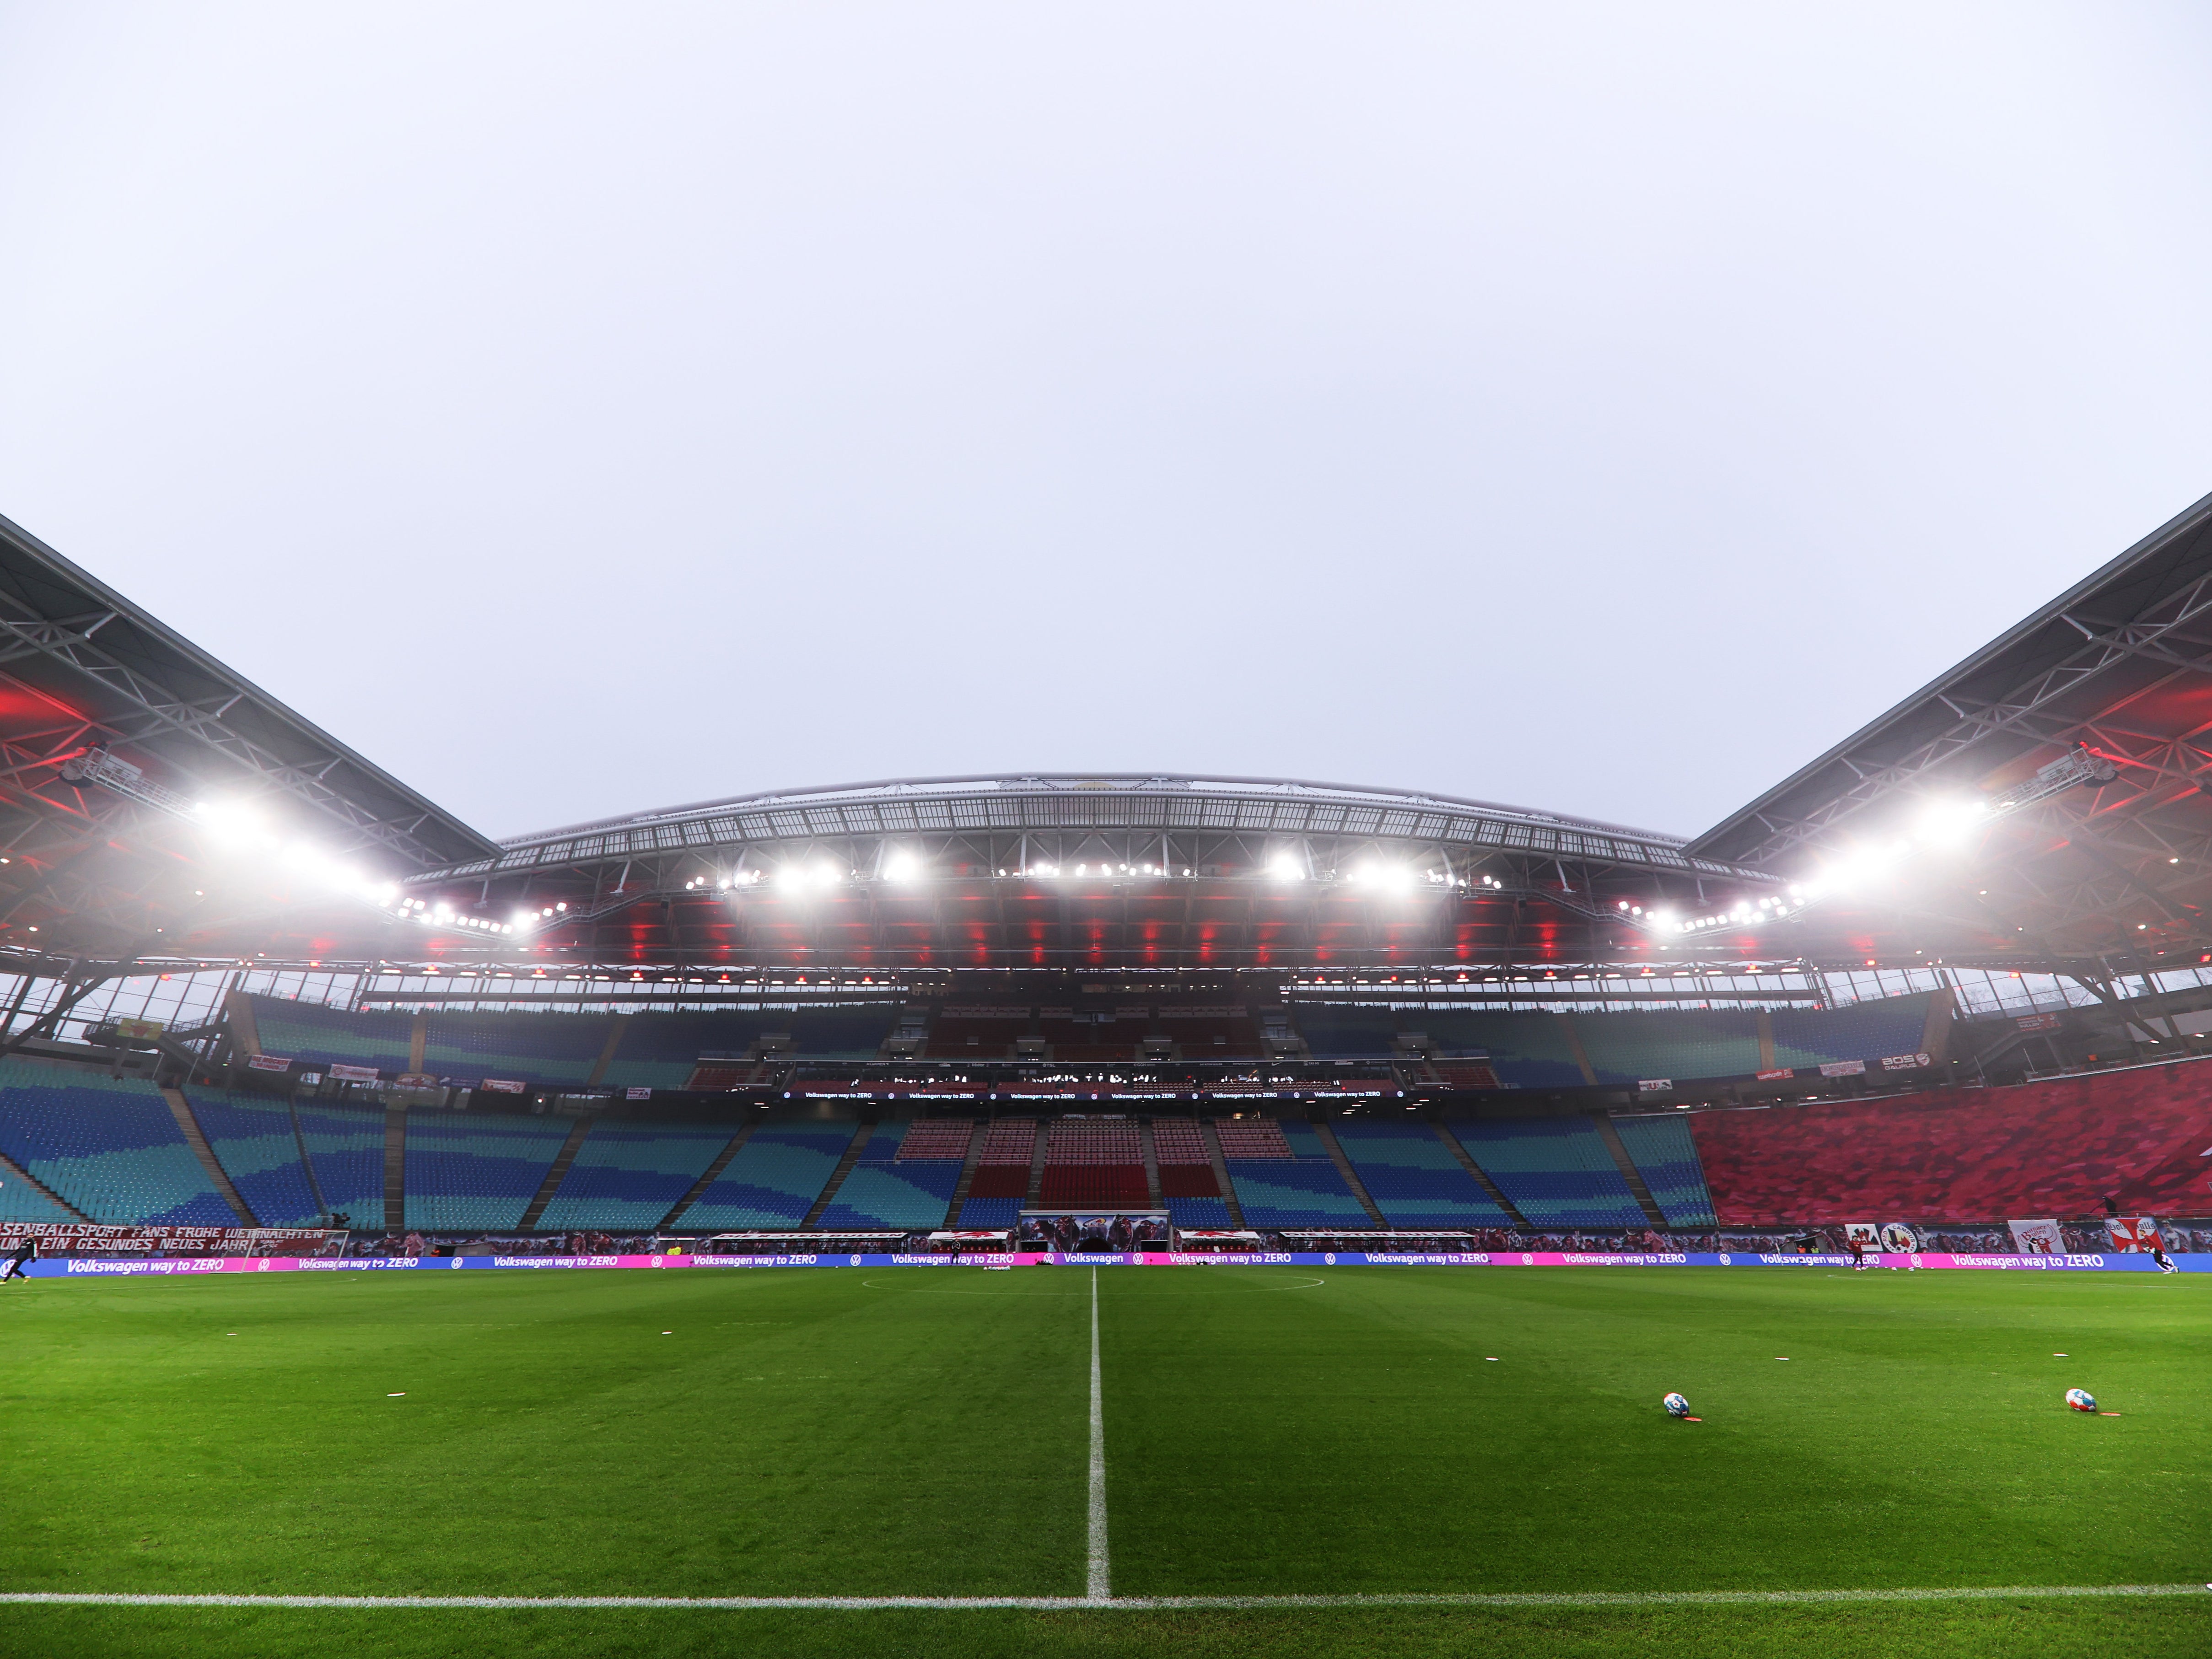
[(627, 1177), (475, 1172), (774, 1179), (1667, 1157), (883, 1190), (109, 1147)]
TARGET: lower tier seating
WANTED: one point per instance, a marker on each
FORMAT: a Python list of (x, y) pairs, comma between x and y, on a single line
[(774, 1179), (628, 1175), (2042, 1149), (882, 1190), (1415, 1179), (110, 1147), (1555, 1170), (470, 1171), (251, 1138), (1666, 1159)]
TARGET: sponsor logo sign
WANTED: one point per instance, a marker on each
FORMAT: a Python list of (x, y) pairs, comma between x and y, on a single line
[(2037, 1237), (267, 1063), (2036, 1023), (1778, 1074), (500, 1085), (355, 1073), (1844, 1068), (1905, 1062), (637, 1094), (1653, 1085)]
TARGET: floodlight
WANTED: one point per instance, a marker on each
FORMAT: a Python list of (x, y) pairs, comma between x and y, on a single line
[(1286, 865), (902, 866)]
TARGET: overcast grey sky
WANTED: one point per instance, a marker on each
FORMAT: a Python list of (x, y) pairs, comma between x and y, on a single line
[(1603, 408)]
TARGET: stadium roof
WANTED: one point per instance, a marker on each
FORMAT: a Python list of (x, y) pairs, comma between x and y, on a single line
[(1064, 871), (113, 728), (2045, 798)]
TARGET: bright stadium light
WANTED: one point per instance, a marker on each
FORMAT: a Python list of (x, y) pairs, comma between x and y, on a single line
[(902, 866), (1286, 865)]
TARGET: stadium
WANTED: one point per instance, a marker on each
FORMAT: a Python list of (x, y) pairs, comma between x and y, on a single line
[(1369, 1099)]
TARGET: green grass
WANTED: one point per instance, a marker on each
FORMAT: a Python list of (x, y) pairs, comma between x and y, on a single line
[(923, 1432)]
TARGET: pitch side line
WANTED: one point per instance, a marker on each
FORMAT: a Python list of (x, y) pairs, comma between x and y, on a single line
[(1115, 1604), (1098, 1585)]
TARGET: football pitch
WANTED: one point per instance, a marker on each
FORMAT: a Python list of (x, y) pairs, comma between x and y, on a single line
[(1125, 1462)]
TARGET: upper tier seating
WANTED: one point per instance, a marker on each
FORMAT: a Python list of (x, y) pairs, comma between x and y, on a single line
[(1866, 1030), (112, 1148), (470, 1171), (251, 1138), (2042, 1149), (628, 1175), (1672, 1043), (1413, 1178), (1464, 1074), (658, 1051), (1337, 1032), (1666, 1159), (774, 1179), (1094, 1162), (855, 1033), (987, 1033), (938, 1138), (306, 1030), (1211, 1031), (882, 1189), (1527, 1051), (1555, 1170), (528, 1048), (1304, 1190), (1002, 1168)]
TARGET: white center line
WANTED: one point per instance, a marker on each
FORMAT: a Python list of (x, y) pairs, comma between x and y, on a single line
[(1126, 1603), (1099, 1586)]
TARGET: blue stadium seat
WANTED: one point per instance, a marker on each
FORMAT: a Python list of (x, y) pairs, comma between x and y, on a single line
[(1413, 1178), (111, 1148), (774, 1179), (628, 1175), (474, 1171), (1554, 1170), (1666, 1159)]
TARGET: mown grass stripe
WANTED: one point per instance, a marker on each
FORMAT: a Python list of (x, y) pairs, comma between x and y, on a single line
[(1120, 1603)]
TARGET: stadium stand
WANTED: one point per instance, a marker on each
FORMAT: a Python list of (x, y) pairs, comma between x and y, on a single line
[(659, 1051), (1002, 1174), (1341, 1032), (1527, 1051), (1197, 1212), (774, 1179), (346, 1145), (1665, 1156), (885, 1189), (251, 1138), (530, 1048), (110, 1147), (306, 1030), (1866, 1030), (1555, 1170), (468, 1171), (20, 1201), (1094, 1162), (1699, 1044), (628, 1175), (1186, 1171), (1212, 1031), (975, 1032), (2040, 1149), (1298, 1187), (1413, 1178), (936, 1138), (855, 1033)]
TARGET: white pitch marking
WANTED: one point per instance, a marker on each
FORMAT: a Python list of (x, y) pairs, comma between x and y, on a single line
[(1098, 1586), (1122, 1604)]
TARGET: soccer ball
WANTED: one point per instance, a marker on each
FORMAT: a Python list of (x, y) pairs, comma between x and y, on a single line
[(1678, 1406), (2081, 1399)]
